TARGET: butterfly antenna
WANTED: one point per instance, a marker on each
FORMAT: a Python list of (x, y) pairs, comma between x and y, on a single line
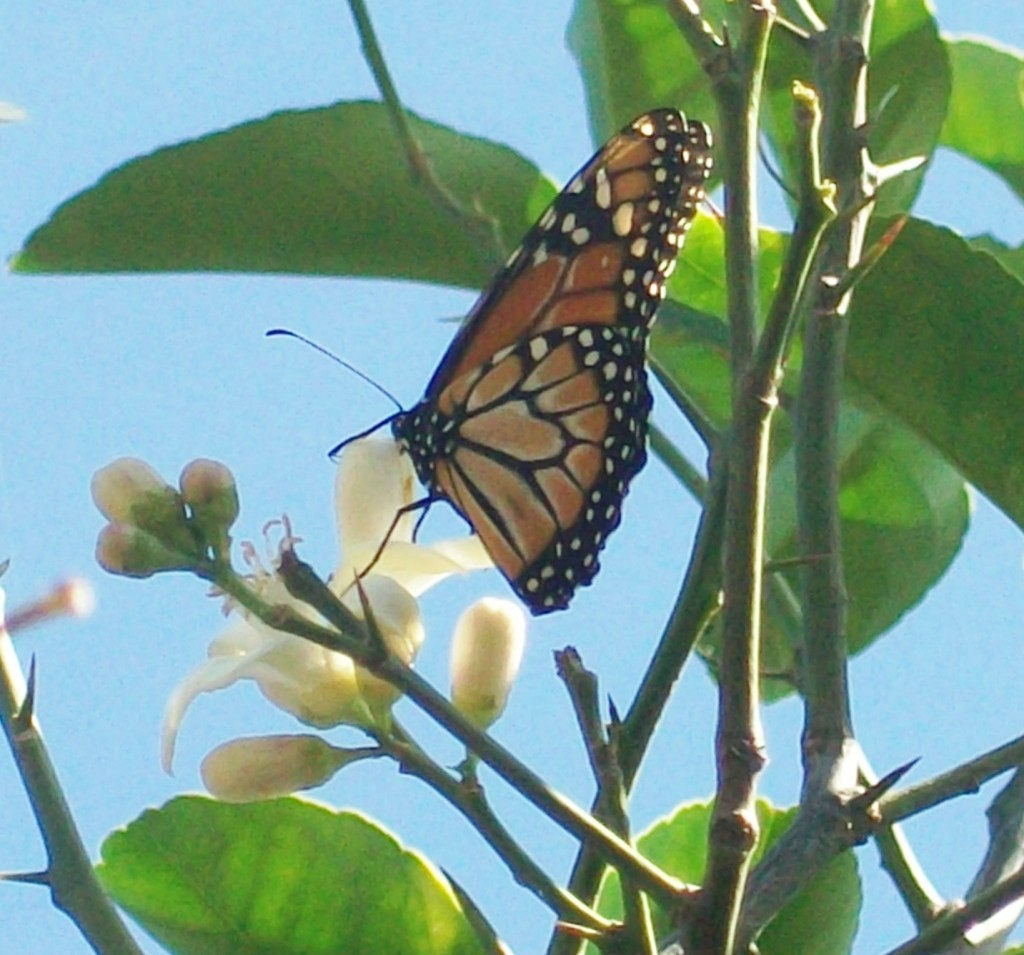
[(287, 332)]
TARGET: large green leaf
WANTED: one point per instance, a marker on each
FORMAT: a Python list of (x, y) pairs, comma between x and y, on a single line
[(206, 878), (985, 121), (937, 339), (821, 920), (1012, 259), (317, 192), (903, 507), (908, 93), (632, 57), (903, 511)]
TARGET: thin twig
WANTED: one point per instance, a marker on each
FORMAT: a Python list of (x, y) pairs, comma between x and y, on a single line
[(303, 583), (469, 799), (959, 781), (1004, 857), (684, 471), (922, 899), (949, 927), (483, 231), (637, 934)]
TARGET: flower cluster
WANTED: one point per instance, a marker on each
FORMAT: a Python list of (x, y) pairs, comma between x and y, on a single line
[(155, 527)]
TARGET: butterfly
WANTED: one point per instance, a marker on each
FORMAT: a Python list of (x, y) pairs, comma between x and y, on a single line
[(535, 421)]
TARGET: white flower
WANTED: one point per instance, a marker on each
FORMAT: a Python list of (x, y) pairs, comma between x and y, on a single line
[(374, 483), (320, 687), (486, 652)]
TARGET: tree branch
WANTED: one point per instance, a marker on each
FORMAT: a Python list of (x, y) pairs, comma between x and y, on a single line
[(739, 741), (74, 887)]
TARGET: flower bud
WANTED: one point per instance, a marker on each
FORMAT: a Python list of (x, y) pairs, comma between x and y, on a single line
[(486, 652), (116, 487), (130, 552), (208, 489), (130, 492), (261, 767)]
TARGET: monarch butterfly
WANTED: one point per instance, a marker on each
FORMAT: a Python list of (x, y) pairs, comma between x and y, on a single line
[(535, 421)]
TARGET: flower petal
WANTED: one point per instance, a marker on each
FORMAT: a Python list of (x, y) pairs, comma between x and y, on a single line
[(374, 481), (417, 567), (215, 673)]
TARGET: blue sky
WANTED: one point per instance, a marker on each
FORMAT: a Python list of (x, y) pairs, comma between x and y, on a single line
[(172, 368)]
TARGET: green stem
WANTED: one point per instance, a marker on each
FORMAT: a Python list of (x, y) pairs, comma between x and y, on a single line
[(963, 779), (739, 740), (70, 875), (483, 230), (470, 800), (684, 471), (950, 927), (829, 751), (303, 583), (921, 898)]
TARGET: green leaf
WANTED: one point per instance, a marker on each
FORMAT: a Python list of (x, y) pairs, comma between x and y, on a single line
[(908, 93), (903, 513), (903, 508), (985, 120), (1011, 259), (821, 920), (632, 57), (205, 878), (691, 340), (937, 340), (315, 192)]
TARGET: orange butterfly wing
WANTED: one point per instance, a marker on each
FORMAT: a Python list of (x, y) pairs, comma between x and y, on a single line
[(535, 421)]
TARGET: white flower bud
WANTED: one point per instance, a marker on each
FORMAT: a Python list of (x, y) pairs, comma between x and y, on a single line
[(208, 488), (117, 488), (486, 652), (261, 767), (129, 552)]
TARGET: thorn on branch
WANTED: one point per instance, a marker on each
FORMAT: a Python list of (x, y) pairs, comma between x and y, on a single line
[(27, 878), (22, 720), (865, 802)]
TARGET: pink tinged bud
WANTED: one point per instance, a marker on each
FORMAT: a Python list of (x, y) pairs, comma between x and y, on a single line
[(486, 652), (130, 492), (262, 767), (208, 488), (130, 552), (117, 488)]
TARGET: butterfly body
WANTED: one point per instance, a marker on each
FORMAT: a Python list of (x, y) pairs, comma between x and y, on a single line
[(535, 422)]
